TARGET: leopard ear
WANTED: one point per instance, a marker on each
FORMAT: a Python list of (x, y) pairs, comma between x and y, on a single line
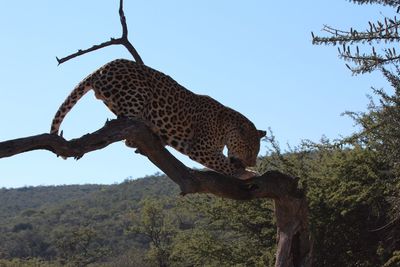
[(261, 133)]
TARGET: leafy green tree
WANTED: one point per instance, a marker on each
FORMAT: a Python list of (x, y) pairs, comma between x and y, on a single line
[(348, 196), (158, 226), (229, 233), (79, 246), (380, 124), (380, 133)]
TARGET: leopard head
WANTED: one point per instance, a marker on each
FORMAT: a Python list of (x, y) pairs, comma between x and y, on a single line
[(243, 143)]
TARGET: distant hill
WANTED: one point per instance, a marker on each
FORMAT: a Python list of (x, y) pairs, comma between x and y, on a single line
[(15, 201), (35, 220)]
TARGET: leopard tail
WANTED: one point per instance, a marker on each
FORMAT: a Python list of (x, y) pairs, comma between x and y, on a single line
[(80, 90)]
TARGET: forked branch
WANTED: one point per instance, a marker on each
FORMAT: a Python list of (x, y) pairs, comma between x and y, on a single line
[(123, 40)]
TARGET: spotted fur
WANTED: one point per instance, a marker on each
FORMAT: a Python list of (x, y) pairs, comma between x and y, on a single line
[(195, 125)]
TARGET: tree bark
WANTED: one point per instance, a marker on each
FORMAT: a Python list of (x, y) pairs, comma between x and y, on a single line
[(294, 243)]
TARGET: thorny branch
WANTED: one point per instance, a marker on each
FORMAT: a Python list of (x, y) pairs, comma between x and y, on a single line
[(123, 40), (386, 31)]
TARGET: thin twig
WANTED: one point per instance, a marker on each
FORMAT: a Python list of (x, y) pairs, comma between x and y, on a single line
[(93, 48), (123, 40)]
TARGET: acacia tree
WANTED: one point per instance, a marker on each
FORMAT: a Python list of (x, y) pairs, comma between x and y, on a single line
[(158, 228), (380, 125), (294, 242)]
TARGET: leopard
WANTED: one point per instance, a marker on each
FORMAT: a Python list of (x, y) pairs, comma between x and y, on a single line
[(208, 132)]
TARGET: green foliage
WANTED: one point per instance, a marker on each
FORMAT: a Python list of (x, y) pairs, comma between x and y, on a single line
[(13, 201), (79, 246), (87, 224), (231, 233), (380, 124), (349, 190), (138, 223), (27, 263), (158, 226), (380, 133)]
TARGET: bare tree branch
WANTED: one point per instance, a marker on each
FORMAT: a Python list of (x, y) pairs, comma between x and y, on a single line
[(294, 246), (123, 40)]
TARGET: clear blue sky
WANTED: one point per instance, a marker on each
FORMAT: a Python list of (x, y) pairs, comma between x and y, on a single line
[(254, 56)]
